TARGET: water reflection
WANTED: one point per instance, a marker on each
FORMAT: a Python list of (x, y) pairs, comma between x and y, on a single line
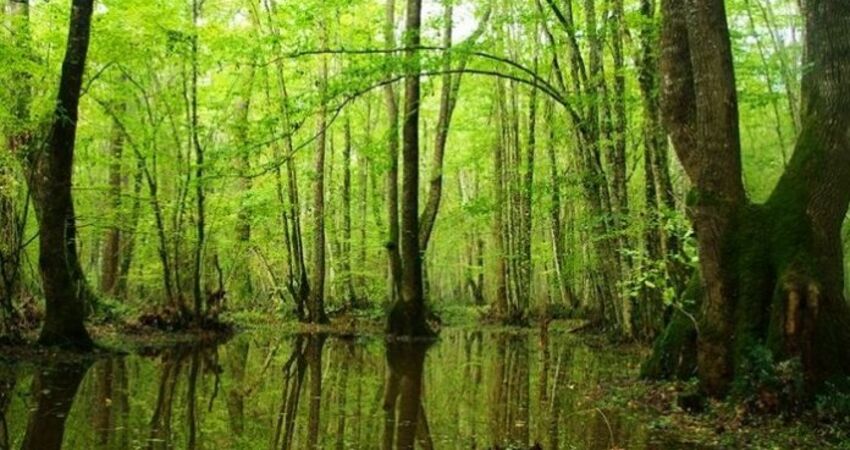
[(471, 389), (54, 387), (406, 422)]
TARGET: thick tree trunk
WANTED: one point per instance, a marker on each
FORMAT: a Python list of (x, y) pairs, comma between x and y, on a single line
[(771, 274), (50, 182)]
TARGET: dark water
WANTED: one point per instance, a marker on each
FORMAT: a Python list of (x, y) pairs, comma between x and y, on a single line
[(469, 390)]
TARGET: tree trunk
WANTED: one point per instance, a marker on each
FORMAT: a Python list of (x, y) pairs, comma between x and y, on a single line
[(407, 317), (391, 100), (316, 305), (112, 249), (347, 281), (200, 192), (500, 302), (772, 273), (50, 182), (565, 288), (244, 288), (129, 241), (298, 283)]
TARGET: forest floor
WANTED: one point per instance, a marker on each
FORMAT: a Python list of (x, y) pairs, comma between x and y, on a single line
[(716, 424)]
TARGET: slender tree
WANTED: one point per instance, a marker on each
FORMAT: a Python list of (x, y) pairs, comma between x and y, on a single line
[(316, 305), (391, 100)]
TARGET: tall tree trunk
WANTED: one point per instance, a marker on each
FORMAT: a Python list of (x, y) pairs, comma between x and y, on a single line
[(298, 283), (316, 305), (500, 302), (407, 317), (391, 100), (449, 91), (348, 282), (559, 251), (200, 192), (245, 288), (129, 241), (112, 249), (50, 181), (447, 103)]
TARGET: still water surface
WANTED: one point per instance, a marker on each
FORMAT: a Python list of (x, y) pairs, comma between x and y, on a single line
[(469, 390)]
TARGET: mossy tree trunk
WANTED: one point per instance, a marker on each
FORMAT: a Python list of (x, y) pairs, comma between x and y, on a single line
[(771, 274)]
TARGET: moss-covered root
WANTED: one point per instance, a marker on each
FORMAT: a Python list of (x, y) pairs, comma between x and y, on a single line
[(674, 352)]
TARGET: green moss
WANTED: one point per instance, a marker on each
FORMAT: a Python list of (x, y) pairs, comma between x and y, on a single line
[(674, 352)]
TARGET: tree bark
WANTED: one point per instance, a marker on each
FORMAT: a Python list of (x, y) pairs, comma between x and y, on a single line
[(407, 317), (200, 191), (771, 274), (316, 305), (50, 181), (112, 249), (347, 280), (391, 100)]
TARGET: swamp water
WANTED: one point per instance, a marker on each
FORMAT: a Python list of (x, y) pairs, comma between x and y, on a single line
[(468, 390)]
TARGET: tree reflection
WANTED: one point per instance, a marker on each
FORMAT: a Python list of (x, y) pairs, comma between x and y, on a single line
[(8, 380), (54, 388), (110, 407), (510, 391), (405, 420)]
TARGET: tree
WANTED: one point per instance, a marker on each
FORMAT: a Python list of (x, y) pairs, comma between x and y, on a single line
[(391, 100), (407, 317), (316, 306), (771, 273), (112, 250), (50, 181)]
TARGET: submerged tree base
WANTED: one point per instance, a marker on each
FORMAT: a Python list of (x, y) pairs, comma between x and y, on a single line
[(409, 320), (75, 339)]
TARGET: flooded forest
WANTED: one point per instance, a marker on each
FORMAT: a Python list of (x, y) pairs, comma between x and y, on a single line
[(401, 224)]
